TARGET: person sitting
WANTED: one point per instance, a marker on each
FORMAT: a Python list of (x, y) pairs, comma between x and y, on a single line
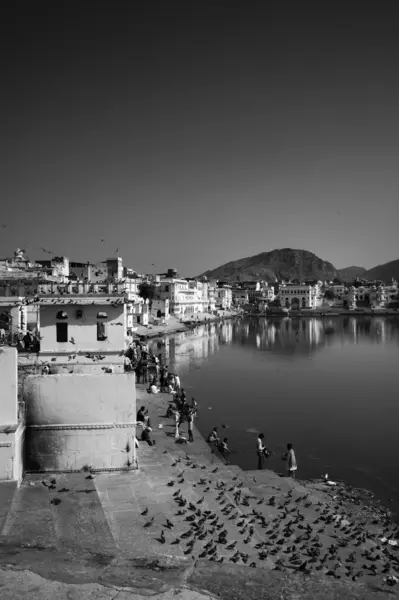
[(213, 437), (223, 448), (170, 413), (142, 416), (146, 435), (127, 363), (153, 389)]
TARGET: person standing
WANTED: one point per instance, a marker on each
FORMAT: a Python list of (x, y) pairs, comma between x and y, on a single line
[(190, 419), (261, 451), (177, 419), (291, 458), (194, 406), (177, 381)]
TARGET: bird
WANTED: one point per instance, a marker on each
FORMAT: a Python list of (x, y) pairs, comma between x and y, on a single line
[(200, 501), (170, 483), (215, 470), (150, 522), (3, 225), (72, 341), (176, 541), (144, 513), (55, 501), (162, 538), (169, 524)]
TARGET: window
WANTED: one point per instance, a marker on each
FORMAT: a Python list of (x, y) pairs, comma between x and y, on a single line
[(166, 288), (62, 332), (101, 335)]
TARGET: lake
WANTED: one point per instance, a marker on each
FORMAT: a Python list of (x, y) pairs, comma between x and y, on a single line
[(329, 386)]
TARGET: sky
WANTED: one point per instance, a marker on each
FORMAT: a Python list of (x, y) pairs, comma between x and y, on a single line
[(189, 134)]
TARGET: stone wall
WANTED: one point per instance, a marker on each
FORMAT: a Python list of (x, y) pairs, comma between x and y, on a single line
[(80, 420)]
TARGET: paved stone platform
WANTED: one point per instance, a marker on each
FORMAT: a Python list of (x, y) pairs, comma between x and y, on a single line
[(186, 525)]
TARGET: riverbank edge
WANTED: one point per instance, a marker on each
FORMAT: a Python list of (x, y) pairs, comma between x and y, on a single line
[(181, 326), (335, 313)]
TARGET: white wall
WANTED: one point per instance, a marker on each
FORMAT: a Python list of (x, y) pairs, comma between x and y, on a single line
[(77, 420), (84, 330), (8, 386)]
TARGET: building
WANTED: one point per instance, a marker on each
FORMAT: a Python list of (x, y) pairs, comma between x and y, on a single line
[(297, 296), (239, 296), (159, 310), (224, 296), (350, 298), (82, 326)]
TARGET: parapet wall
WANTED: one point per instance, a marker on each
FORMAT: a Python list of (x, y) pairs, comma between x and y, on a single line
[(80, 420)]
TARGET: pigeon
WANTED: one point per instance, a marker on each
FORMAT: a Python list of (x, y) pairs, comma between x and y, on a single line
[(144, 513), (170, 483), (150, 522), (55, 501), (169, 524), (162, 538)]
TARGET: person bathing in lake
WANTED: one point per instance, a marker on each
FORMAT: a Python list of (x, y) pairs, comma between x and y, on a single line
[(223, 448), (291, 460), (261, 451)]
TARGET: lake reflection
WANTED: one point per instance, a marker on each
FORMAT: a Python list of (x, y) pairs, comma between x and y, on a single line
[(329, 386)]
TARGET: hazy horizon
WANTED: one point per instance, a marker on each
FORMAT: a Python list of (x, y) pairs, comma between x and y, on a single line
[(190, 135)]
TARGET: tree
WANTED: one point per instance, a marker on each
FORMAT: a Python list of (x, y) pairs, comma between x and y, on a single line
[(147, 291), (329, 295), (275, 302)]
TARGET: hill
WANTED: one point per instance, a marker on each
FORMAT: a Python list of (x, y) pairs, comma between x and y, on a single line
[(286, 263), (350, 273), (383, 272)]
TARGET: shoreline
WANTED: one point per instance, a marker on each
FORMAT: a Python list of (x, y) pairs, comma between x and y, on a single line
[(351, 313), (176, 326)]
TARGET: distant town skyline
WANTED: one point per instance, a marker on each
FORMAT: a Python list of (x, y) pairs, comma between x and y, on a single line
[(190, 135)]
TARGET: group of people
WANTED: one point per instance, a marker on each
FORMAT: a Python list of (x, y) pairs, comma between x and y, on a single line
[(263, 452), (221, 445), (28, 342), (139, 359), (182, 411)]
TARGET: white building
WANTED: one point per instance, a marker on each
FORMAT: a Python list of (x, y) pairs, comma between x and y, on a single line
[(300, 296), (224, 296)]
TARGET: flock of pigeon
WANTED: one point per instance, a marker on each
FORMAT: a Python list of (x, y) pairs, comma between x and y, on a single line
[(291, 531)]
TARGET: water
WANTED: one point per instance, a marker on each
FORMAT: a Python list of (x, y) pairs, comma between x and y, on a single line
[(329, 386)]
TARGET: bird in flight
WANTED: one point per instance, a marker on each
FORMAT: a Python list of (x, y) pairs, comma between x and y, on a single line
[(47, 251), (3, 225)]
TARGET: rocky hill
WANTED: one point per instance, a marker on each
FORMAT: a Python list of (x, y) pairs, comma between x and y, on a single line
[(286, 263), (383, 272), (350, 273)]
